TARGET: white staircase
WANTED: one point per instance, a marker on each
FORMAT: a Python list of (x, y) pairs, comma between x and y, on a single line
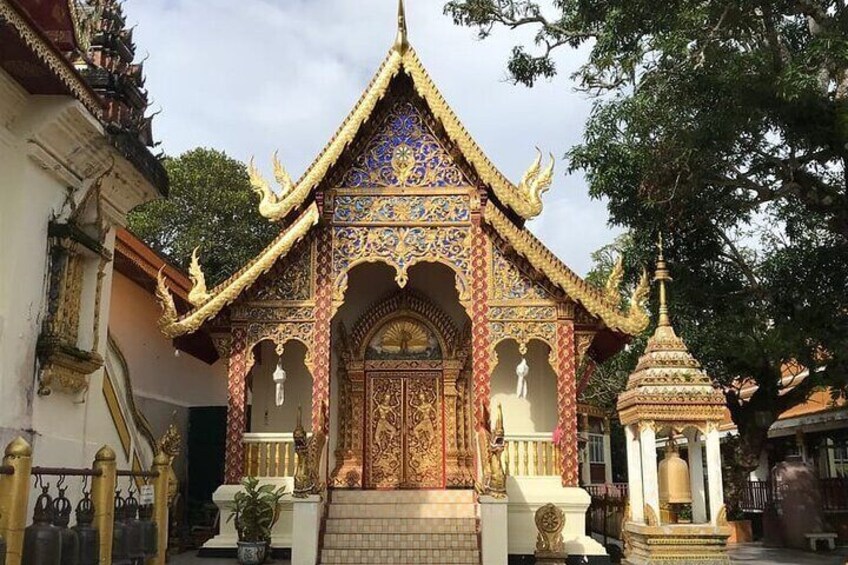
[(401, 528)]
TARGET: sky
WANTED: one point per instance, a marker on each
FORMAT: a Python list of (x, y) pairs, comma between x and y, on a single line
[(253, 76)]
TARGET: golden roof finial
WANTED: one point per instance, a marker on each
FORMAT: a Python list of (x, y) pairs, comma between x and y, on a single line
[(662, 275), (401, 41)]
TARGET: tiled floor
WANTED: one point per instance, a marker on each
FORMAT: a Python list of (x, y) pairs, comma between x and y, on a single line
[(748, 554)]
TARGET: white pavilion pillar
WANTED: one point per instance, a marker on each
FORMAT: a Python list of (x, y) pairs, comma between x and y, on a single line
[(634, 475), (586, 465), (650, 483), (696, 476), (607, 458), (714, 473)]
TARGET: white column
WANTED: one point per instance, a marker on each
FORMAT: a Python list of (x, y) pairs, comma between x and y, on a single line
[(634, 475), (607, 453), (714, 473), (696, 476), (586, 466), (650, 484)]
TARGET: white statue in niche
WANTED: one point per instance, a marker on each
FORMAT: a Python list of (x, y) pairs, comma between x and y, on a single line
[(521, 372), (280, 379)]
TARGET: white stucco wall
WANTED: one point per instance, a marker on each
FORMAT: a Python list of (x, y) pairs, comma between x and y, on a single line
[(155, 370)]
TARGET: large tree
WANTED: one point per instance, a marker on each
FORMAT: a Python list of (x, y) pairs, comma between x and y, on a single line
[(724, 125), (210, 206)]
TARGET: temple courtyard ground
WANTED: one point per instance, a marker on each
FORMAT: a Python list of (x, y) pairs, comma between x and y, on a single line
[(745, 554)]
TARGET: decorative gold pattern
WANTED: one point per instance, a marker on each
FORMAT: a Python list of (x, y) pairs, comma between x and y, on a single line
[(550, 521), (401, 248), (596, 302), (309, 452), (510, 283), (522, 332), (490, 446), (614, 280), (411, 209), (226, 292), (273, 206), (198, 294), (288, 280)]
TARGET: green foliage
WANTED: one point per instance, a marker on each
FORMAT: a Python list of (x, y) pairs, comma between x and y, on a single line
[(254, 510), (211, 205), (724, 125)]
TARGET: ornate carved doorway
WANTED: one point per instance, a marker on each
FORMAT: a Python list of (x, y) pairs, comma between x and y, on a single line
[(404, 408)]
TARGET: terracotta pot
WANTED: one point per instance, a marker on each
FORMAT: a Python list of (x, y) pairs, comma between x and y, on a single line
[(740, 531)]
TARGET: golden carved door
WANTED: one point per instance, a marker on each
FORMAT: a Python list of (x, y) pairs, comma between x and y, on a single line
[(404, 430)]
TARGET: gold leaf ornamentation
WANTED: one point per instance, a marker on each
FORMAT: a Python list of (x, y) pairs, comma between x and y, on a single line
[(198, 294)]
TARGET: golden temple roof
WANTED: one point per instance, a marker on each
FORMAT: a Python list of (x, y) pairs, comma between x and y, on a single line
[(524, 200), (668, 383)]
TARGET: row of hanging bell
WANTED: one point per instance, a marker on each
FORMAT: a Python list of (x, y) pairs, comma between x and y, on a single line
[(133, 540), (49, 540)]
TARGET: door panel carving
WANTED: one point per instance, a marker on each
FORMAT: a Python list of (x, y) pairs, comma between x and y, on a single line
[(404, 430)]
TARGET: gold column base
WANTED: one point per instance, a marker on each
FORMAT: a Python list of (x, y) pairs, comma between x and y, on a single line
[(676, 544)]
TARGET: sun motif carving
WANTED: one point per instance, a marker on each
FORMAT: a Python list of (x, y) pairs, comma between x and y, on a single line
[(405, 337)]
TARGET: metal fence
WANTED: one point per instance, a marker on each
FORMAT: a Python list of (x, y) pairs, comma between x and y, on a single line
[(759, 495), (606, 511)]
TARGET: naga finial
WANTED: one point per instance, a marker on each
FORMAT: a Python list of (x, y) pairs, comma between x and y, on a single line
[(640, 294), (401, 40), (614, 280), (275, 206), (166, 301), (198, 295), (534, 183)]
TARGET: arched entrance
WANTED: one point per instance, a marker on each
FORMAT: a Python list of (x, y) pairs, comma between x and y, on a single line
[(404, 407)]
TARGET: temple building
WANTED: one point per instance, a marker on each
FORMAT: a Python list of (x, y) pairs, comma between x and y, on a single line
[(433, 344)]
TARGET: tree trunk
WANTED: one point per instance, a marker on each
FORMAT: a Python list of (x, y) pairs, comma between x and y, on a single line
[(752, 424)]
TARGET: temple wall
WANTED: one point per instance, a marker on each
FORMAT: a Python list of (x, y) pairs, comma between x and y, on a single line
[(536, 413), (156, 372)]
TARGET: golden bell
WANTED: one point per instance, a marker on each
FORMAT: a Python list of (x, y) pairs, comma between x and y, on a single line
[(674, 479)]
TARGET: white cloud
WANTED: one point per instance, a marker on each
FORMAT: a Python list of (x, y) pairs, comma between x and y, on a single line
[(252, 76)]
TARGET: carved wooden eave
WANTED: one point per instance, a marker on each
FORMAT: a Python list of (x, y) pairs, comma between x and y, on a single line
[(173, 325), (407, 62), (594, 300)]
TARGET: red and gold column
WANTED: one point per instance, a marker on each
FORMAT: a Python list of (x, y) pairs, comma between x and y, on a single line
[(321, 335), (567, 396), (480, 338), (237, 398)]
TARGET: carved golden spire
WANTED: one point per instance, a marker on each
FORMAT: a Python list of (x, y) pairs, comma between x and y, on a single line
[(640, 294), (275, 206), (662, 275), (614, 279), (198, 295), (535, 182), (401, 41), (163, 294)]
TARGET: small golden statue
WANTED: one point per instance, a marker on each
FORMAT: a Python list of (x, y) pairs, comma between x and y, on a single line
[(170, 445), (308, 451), (550, 520), (490, 444)]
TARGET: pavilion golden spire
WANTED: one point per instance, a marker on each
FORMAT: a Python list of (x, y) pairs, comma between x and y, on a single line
[(401, 41), (662, 275)]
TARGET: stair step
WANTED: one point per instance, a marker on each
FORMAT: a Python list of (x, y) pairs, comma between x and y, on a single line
[(466, 540), (402, 511), (400, 556), (400, 525), (403, 497)]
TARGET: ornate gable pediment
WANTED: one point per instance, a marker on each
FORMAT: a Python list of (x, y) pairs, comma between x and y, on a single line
[(403, 152)]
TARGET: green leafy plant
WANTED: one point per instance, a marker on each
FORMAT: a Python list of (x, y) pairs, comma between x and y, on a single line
[(254, 510)]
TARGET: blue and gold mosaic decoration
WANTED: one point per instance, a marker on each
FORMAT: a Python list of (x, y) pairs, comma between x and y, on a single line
[(404, 153), (360, 209)]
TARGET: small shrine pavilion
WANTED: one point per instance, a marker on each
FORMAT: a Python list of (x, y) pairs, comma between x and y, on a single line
[(394, 306)]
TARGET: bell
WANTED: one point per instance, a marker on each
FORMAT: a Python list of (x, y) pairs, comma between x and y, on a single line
[(89, 537), (674, 478), (120, 549), (42, 540), (135, 533), (61, 519), (150, 533)]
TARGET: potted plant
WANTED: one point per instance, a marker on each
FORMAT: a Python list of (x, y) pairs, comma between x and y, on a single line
[(254, 510)]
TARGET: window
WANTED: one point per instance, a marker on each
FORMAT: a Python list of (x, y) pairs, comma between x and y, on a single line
[(840, 459), (596, 448)]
